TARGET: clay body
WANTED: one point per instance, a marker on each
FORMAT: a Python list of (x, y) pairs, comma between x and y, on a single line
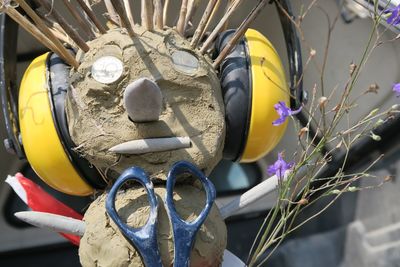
[(104, 245), (192, 107)]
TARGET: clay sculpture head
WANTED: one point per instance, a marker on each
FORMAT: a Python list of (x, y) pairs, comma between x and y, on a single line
[(141, 88)]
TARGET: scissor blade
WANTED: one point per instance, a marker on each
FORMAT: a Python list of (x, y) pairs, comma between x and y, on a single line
[(53, 222)]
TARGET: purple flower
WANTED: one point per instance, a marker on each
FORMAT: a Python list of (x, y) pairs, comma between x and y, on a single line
[(283, 112), (394, 17), (279, 167), (396, 89)]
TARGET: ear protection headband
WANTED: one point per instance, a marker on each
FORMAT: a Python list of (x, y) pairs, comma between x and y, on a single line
[(252, 81)]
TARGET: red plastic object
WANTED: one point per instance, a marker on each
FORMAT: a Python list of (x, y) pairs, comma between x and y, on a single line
[(39, 200)]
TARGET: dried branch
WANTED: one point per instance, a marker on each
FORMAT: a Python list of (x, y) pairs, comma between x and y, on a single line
[(56, 29), (37, 34), (228, 5), (129, 13), (203, 23), (192, 7), (158, 14), (165, 11), (239, 32), (64, 24), (219, 26), (180, 26), (119, 8), (61, 50), (213, 14), (92, 26), (63, 38), (81, 20), (112, 13), (147, 14), (92, 16)]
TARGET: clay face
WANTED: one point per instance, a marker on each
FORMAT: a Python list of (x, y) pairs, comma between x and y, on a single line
[(191, 102)]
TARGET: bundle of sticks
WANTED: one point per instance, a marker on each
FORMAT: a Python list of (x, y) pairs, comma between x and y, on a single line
[(51, 29)]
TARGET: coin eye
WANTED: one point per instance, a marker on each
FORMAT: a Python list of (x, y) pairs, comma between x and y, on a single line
[(107, 69), (185, 62)]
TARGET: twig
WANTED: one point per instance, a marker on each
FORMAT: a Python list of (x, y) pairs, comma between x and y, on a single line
[(228, 5), (111, 21), (165, 11), (112, 13), (147, 14), (219, 26), (240, 32), (213, 14), (33, 30), (180, 25), (192, 7), (63, 37), (62, 51), (119, 8), (92, 16), (203, 23), (56, 29), (87, 18), (81, 20), (49, 21), (64, 24), (158, 14), (129, 13)]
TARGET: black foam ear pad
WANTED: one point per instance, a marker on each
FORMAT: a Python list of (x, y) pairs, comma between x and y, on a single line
[(235, 79), (58, 73)]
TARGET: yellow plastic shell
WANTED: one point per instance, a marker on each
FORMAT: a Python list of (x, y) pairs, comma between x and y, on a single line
[(269, 87), (41, 142)]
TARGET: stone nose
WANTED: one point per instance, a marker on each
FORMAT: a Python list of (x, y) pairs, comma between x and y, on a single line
[(143, 100)]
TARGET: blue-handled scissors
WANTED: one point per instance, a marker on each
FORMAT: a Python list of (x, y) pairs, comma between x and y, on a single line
[(144, 238)]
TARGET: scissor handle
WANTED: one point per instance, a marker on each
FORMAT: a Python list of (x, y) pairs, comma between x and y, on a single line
[(144, 238), (185, 232)]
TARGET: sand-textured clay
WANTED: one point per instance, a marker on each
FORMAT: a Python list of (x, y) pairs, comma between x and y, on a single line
[(192, 103), (104, 245)]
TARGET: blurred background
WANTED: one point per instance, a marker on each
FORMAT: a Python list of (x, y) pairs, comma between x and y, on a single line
[(360, 229)]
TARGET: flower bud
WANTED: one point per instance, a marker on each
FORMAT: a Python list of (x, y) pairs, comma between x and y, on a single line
[(373, 112), (352, 68), (379, 123), (373, 88), (336, 192), (303, 131), (339, 145), (387, 178), (352, 189), (322, 102), (376, 137), (303, 201)]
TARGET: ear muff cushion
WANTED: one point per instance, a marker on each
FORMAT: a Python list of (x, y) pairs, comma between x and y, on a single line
[(58, 78), (236, 91), (40, 139)]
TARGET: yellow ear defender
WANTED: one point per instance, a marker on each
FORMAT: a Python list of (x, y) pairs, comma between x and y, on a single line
[(252, 81), (44, 130)]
